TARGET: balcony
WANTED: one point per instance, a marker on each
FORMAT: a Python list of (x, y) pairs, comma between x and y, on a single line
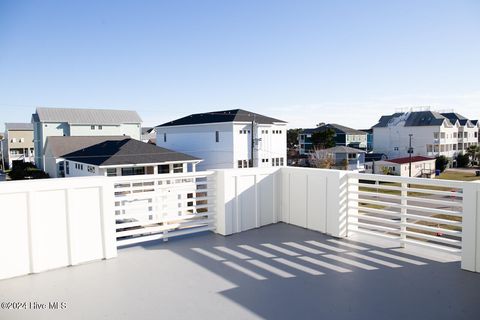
[(301, 243)]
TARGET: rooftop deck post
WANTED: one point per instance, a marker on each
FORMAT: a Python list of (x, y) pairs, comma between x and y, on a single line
[(471, 227)]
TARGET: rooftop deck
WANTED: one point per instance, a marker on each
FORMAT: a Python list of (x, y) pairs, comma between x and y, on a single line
[(275, 272)]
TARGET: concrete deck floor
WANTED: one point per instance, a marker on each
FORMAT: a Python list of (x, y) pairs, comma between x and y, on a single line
[(275, 272)]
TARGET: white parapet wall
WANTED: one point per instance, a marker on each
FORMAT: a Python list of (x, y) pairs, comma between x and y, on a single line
[(471, 227), (315, 199), (247, 198), (53, 223)]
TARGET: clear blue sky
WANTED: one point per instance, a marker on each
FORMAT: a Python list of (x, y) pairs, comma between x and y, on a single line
[(302, 61)]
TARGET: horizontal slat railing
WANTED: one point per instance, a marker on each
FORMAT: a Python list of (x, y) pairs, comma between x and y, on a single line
[(426, 212), (151, 207)]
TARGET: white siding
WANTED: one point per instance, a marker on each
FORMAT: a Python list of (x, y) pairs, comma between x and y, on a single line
[(199, 141)]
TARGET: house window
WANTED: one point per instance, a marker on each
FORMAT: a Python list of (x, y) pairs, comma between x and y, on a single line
[(127, 172), (281, 162), (111, 172), (21, 140), (435, 135), (442, 135), (13, 140), (92, 127), (100, 127), (177, 167), (239, 164), (395, 148), (164, 137), (266, 131), (163, 168), (217, 136), (91, 169), (277, 162), (67, 167)]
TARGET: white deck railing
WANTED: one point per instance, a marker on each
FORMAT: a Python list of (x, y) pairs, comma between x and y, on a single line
[(162, 206), (408, 210), (53, 223)]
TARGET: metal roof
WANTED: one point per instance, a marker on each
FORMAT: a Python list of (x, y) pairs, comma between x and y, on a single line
[(86, 116), (235, 115), (112, 150), (18, 126), (408, 159)]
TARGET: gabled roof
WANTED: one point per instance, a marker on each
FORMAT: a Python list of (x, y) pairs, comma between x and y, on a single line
[(343, 149), (336, 127), (235, 115), (112, 150), (407, 159), (18, 126), (453, 117), (413, 119), (86, 116)]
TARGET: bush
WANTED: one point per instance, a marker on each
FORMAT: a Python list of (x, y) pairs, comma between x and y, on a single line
[(441, 163), (26, 170), (463, 160)]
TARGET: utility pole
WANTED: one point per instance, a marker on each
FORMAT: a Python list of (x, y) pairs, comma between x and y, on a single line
[(1, 153), (252, 139), (410, 151)]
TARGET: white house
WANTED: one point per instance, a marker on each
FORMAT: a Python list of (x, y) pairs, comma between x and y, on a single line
[(111, 156), (432, 134), (81, 122), (421, 167), (227, 139)]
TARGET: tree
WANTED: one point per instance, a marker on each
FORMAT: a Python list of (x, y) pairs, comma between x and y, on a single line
[(441, 163), (324, 139), (474, 153), (463, 160), (26, 170), (321, 159), (292, 138)]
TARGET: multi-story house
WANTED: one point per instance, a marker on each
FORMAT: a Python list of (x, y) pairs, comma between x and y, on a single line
[(344, 136), (18, 143), (227, 139), (467, 130), (431, 134), (81, 122)]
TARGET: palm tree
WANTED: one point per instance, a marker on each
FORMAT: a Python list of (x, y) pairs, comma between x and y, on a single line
[(474, 152)]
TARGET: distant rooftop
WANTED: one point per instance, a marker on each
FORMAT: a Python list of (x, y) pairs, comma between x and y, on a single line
[(18, 126), (407, 159), (112, 150), (344, 149), (86, 116), (336, 127), (413, 119), (235, 115)]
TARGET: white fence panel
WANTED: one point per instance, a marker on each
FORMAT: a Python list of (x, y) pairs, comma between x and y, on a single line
[(54, 223), (246, 198)]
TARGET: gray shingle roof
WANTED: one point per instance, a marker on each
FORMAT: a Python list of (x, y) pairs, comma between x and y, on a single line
[(239, 115), (86, 116), (414, 119), (343, 149), (453, 117), (336, 127), (18, 126), (112, 150)]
